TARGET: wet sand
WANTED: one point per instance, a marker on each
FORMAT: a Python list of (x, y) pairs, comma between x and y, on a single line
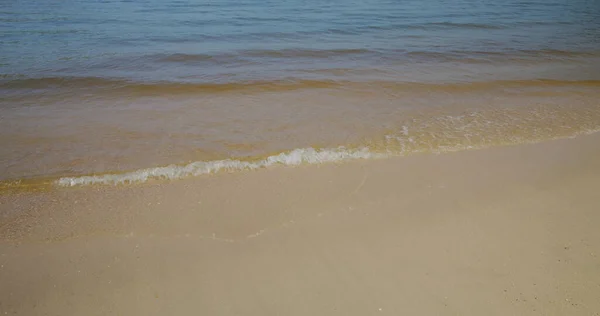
[(500, 231)]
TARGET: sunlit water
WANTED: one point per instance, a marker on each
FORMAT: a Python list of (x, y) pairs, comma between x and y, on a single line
[(123, 89)]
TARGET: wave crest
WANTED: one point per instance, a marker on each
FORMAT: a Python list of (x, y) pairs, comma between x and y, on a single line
[(291, 158)]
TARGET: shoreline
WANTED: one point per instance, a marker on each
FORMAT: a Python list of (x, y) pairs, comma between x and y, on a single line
[(91, 145), (504, 230)]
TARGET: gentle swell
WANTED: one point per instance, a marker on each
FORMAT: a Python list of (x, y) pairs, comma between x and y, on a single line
[(269, 56), (405, 143), (292, 158), (90, 84), (453, 25), (153, 88)]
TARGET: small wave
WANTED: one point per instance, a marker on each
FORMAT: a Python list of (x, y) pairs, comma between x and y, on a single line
[(45, 32), (290, 53), (471, 129), (116, 86), (292, 158), (243, 56), (431, 56), (305, 53), (451, 25), (153, 88), (559, 53), (402, 144), (20, 82), (177, 58), (478, 56)]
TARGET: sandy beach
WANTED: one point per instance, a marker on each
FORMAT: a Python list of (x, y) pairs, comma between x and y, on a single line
[(500, 231), (168, 157)]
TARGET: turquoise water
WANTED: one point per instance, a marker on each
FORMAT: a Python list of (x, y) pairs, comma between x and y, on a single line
[(133, 87)]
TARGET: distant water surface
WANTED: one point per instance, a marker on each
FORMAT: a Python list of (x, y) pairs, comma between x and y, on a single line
[(123, 89)]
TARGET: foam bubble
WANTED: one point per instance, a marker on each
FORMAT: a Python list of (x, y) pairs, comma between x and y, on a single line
[(292, 158), (452, 136)]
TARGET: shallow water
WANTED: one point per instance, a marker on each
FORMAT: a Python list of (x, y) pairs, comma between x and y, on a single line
[(111, 87)]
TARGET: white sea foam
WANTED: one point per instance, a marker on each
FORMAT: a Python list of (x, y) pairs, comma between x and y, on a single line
[(395, 145), (292, 158)]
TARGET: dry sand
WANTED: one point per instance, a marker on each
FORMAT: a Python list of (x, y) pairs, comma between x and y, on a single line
[(501, 231)]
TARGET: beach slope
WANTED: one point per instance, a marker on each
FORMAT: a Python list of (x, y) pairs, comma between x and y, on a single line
[(499, 231)]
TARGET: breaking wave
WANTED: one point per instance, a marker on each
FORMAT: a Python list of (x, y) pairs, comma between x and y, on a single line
[(291, 158)]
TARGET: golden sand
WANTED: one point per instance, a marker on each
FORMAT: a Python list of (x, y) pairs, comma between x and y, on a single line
[(500, 231)]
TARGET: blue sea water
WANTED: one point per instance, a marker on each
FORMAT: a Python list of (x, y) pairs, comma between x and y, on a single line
[(227, 41), (133, 86)]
